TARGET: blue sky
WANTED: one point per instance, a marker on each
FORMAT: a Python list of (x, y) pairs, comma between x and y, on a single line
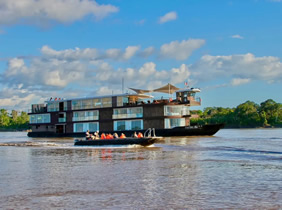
[(231, 49)]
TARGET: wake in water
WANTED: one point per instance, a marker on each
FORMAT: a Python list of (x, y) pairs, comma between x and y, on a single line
[(28, 144), (65, 145)]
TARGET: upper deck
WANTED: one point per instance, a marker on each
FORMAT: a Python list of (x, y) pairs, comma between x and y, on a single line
[(108, 102), (182, 97)]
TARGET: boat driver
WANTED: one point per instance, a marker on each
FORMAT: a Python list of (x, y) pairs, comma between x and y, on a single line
[(87, 135)]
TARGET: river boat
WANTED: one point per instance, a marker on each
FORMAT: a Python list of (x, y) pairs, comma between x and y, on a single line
[(122, 113)]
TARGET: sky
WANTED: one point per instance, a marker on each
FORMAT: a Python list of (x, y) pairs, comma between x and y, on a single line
[(230, 49)]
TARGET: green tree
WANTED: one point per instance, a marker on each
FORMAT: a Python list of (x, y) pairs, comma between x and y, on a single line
[(4, 118), (247, 114), (272, 110), (263, 118), (23, 120)]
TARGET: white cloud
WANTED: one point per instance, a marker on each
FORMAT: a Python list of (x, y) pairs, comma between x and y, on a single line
[(239, 81), (130, 51), (147, 70), (113, 53), (64, 11), (174, 50), (18, 98), (70, 54), (168, 17), (147, 52), (43, 73), (180, 74), (180, 50), (237, 36), (246, 66), (90, 53)]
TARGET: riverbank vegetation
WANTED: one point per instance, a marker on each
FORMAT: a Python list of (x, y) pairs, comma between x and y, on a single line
[(245, 115), (13, 121)]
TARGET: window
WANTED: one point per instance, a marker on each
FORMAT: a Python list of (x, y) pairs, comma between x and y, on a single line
[(176, 110), (62, 117), (97, 103), (128, 125), (86, 104), (53, 106), (91, 103), (121, 101), (39, 118), (106, 102), (119, 125), (174, 122), (85, 115), (136, 112), (83, 127), (76, 104)]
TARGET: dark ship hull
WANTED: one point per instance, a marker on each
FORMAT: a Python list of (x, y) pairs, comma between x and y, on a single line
[(198, 130)]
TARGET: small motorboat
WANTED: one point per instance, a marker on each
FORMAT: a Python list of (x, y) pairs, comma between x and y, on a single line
[(148, 139), (145, 141)]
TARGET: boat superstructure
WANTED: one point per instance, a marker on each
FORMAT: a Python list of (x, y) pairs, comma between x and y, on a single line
[(123, 113)]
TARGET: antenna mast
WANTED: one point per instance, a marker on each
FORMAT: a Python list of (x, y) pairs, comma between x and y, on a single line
[(122, 84)]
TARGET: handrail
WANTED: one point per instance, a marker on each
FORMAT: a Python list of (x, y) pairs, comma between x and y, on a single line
[(149, 131)]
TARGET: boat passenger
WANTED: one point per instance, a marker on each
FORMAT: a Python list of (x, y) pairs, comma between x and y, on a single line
[(109, 136), (96, 134), (140, 135), (87, 135), (103, 136), (115, 136), (135, 135), (122, 136)]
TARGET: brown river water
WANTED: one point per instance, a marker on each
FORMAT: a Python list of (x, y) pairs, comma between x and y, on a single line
[(234, 169)]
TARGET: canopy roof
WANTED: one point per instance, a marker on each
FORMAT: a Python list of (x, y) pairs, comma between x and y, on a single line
[(169, 88), (139, 91)]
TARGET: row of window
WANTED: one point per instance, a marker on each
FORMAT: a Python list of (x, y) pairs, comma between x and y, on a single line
[(83, 127), (125, 125), (117, 113), (123, 113), (53, 106), (85, 115), (40, 118), (176, 110), (136, 112), (97, 103), (118, 126)]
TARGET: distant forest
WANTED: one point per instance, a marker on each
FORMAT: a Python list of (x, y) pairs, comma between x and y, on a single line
[(246, 115), (13, 121)]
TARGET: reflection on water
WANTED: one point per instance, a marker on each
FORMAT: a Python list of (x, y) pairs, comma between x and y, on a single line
[(234, 169)]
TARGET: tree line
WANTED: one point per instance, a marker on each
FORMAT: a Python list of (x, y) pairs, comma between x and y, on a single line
[(14, 120), (245, 115)]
